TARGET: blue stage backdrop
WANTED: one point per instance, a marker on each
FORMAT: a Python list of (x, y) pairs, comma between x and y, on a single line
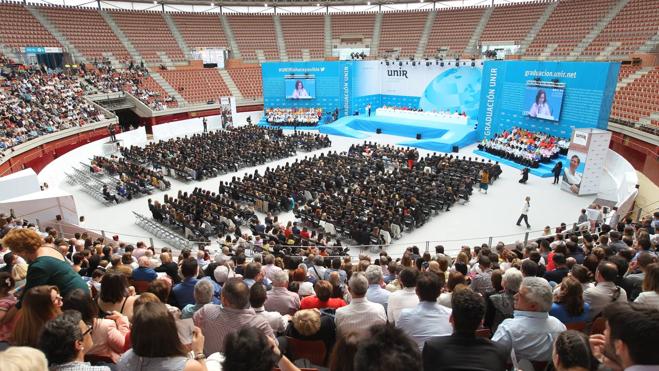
[(587, 95), (331, 82), (351, 85)]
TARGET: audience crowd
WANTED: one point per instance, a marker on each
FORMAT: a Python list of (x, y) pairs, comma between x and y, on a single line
[(132, 180), (293, 116), (525, 147), (106, 79), (576, 300), (34, 102), (210, 154)]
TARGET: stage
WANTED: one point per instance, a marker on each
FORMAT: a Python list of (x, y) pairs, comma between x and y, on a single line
[(440, 137)]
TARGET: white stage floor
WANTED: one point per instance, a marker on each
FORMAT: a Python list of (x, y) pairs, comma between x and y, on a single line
[(485, 215)]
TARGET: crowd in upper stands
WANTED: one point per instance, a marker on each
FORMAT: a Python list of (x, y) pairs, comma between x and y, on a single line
[(525, 147), (34, 102), (107, 79), (294, 116), (86, 304)]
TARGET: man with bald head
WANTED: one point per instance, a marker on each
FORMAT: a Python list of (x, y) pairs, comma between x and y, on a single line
[(144, 271)]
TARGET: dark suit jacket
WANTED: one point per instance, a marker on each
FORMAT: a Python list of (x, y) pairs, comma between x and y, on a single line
[(463, 352), (557, 274)]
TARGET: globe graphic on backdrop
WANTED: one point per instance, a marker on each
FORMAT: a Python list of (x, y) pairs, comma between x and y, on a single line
[(454, 89)]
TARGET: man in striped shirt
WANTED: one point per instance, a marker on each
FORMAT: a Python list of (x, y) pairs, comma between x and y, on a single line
[(217, 322)]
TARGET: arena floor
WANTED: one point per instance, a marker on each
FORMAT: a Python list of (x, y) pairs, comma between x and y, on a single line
[(485, 215)]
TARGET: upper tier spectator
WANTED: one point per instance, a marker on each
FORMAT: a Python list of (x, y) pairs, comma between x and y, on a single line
[(532, 330), (183, 293), (42, 303), (387, 348), (156, 344), (428, 318), (463, 349), (569, 306), (623, 345), (116, 295), (218, 321), (258, 296), (606, 291), (47, 265), (360, 314), (404, 298), (65, 340), (279, 298), (203, 294), (23, 359), (323, 298), (501, 305), (375, 292)]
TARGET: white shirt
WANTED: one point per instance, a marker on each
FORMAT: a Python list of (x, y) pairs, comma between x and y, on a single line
[(525, 208), (275, 319), (426, 320), (649, 298), (359, 316), (399, 300)]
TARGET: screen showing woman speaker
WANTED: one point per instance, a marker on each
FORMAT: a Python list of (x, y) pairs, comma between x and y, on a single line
[(573, 173), (543, 102), (300, 87)]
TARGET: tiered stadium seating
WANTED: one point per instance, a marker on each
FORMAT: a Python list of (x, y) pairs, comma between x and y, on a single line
[(512, 23), (638, 99), (636, 23), (149, 34), (304, 32), (570, 22), (19, 28), (252, 33), (626, 70), (248, 81), (453, 29), (151, 84), (200, 30), (87, 31), (197, 86), (401, 31), (354, 24)]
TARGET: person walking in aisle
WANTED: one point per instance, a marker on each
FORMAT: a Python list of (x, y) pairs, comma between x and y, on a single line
[(525, 212), (557, 170)]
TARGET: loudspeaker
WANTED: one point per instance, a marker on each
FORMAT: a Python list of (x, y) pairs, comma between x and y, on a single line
[(378, 131), (456, 149), (418, 136)]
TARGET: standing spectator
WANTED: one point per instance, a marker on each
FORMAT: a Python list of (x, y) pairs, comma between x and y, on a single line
[(404, 298), (606, 291), (463, 350), (42, 303), (279, 298), (428, 318), (525, 212), (569, 306), (532, 331), (47, 265), (183, 293), (65, 340), (156, 344), (216, 321), (360, 314), (375, 292)]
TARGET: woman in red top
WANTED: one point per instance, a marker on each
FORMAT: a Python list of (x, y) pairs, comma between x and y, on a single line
[(322, 299)]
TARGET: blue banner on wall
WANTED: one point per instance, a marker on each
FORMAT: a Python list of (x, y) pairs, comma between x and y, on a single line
[(588, 89)]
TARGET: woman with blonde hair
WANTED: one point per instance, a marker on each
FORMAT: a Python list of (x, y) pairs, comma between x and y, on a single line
[(47, 265), (40, 305), (309, 324)]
